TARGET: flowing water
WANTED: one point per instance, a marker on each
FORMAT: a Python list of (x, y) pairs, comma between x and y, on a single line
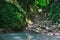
[(27, 36)]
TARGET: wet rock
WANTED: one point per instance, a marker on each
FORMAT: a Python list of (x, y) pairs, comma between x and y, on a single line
[(1, 30), (56, 33), (50, 34)]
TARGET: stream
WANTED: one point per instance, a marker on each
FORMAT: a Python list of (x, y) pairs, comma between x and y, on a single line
[(27, 36)]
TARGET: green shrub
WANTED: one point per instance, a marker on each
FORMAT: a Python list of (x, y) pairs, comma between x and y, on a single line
[(54, 14), (11, 16)]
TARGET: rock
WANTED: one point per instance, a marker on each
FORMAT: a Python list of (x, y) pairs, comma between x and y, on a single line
[(44, 31), (40, 10), (50, 34), (56, 34), (1, 30), (58, 25)]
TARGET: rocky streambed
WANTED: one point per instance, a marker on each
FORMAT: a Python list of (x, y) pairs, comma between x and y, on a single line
[(41, 25)]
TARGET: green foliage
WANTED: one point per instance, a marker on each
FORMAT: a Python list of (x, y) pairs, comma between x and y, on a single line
[(11, 16), (53, 9), (14, 15), (42, 3), (54, 14)]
